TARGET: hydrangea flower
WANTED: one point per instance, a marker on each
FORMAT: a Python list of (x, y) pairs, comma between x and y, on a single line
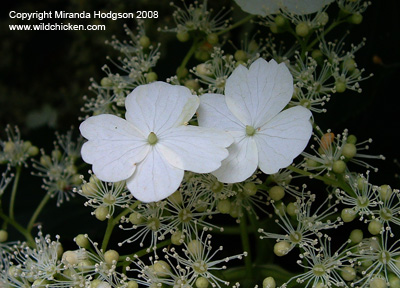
[(267, 7), (251, 112), (154, 145)]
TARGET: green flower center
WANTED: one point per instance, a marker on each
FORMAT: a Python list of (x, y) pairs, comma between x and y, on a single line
[(384, 257), (386, 213), (152, 138), (250, 131), (318, 270)]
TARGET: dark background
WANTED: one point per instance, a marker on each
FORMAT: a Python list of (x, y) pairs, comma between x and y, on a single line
[(50, 71)]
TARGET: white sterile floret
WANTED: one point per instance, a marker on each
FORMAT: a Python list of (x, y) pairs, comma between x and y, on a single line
[(251, 111), (267, 7), (154, 145)]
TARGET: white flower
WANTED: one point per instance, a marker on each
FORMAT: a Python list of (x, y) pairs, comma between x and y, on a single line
[(251, 112), (154, 145), (267, 7)]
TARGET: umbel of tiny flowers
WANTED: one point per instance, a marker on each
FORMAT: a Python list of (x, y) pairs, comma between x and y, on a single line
[(250, 111), (267, 7), (154, 145)]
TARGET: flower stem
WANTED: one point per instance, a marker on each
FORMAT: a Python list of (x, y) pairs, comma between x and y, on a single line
[(244, 234), (107, 234), (20, 229), (14, 191), (188, 55), (39, 209), (114, 221), (237, 24)]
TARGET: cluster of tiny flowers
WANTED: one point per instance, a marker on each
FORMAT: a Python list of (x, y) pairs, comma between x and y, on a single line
[(197, 17), (309, 221), (103, 197), (333, 153), (200, 197), (193, 265), (14, 150), (58, 169), (214, 72), (138, 58), (24, 266)]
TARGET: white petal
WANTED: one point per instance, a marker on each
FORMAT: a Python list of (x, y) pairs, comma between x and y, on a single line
[(256, 95), (267, 7), (197, 149), (158, 106), (214, 113), (259, 7), (154, 178), (283, 138), (241, 162), (304, 6), (114, 147)]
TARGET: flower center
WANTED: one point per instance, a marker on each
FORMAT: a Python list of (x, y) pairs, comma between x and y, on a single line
[(152, 138), (250, 131), (318, 270)]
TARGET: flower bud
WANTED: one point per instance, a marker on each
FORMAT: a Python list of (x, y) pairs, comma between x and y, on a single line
[(224, 206), (280, 21), (250, 189), (281, 248), (339, 166), (195, 247), (276, 193), (192, 84), (355, 19), (82, 241), (340, 86), (348, 215), (3, 236), (182, 36), (378, 283), (101, 213), (162, 268), (302, 29), (291, 209), (269, 282), (241, 55), (356, 236), (202, 282), (385, 192), (212, 38), (177, 237), (144, 41), (132, 284), (375, 227), (349, 150), (111, 257), (176, 197), (151, 77), (348, 273)]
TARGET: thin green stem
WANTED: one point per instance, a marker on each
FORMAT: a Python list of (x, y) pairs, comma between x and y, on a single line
[(20, 229), (188, 55), (237, 24), (340, 183), (14, 191), (107, 234), (244, 234), (39, 209), (114, 221)]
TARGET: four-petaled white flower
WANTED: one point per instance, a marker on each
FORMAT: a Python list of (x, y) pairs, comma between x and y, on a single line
[(267, 7), (154, 145), (251, 112)]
